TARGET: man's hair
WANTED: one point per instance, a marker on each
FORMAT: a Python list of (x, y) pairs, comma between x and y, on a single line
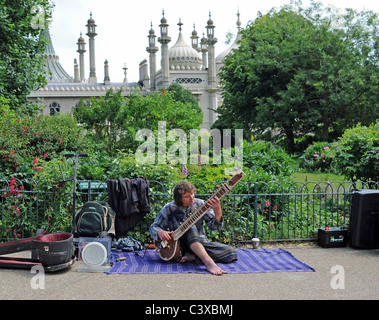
[(180, 188)]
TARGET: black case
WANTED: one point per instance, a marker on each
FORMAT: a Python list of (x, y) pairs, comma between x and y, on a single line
[(332, 237), (364, 219)]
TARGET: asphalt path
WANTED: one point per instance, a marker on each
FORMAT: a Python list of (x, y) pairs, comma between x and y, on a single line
[(340, 274)]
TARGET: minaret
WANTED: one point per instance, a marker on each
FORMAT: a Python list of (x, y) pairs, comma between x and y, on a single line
[(107, 80), (211, 41), (212, 81), (81, 50), (91, 33), (76, 71), (195, 40), (152, 50), (125, 75), (204, 50), (164, 39), (238, 23)]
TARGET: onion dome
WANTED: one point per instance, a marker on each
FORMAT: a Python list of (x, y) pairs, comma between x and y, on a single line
[(182, 56), (90, 20), (54, 70)]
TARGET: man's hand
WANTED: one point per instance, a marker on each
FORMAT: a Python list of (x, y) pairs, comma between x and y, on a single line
[(164, 235), (215, 204)]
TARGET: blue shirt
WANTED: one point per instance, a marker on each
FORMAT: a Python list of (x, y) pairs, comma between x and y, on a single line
[(171, 215)]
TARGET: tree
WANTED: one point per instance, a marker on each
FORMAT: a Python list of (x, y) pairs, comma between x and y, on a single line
[(114, 119), (183, 95), (300, 71), (21, 48)]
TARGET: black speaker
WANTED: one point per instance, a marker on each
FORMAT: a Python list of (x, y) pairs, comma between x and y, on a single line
[(364, 219)]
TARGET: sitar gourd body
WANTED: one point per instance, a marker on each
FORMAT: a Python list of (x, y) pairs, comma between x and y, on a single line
[(170, 250)]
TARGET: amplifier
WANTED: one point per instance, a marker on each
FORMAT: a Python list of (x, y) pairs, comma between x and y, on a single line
[(364, 220), (332, 237)]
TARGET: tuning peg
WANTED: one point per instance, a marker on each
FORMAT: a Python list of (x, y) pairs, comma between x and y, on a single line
[(217, 186), (225, 178), (211, 192)]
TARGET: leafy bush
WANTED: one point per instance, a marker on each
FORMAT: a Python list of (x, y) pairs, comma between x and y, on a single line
[(357, 153), (26, 139), (318, 157), (265, 161)]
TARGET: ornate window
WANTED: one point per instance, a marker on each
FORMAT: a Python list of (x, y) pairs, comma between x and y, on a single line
[(54, 108), (188, 80)]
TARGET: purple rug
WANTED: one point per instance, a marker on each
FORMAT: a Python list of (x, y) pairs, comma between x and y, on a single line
[(249, 261)]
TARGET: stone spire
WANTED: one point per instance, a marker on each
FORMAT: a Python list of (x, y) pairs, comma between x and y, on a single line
[(91, 33), (164, 39), (212, 80), (211, 41), (125, 74), (81, 50), (234, 45), (204, 50), (107, 80), (195, 40), (76, 71), (152, 50)]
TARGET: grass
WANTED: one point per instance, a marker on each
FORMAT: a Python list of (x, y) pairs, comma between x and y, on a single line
[(301, 175)]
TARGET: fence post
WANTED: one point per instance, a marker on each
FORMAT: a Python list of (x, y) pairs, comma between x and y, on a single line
[(255, 209)]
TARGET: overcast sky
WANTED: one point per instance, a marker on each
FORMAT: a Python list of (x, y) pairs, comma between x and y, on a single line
[(123, 27)]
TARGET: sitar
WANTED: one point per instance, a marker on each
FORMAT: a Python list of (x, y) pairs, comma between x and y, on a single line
[(170, 250)]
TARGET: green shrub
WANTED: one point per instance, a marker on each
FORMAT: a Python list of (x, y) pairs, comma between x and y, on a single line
[(265, 162), (357, 153), (318, 157), (24, 140)]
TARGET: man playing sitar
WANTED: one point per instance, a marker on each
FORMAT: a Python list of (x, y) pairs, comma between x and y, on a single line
[(193, 243)]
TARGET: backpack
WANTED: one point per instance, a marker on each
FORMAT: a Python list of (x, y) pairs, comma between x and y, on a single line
[(94, 218)]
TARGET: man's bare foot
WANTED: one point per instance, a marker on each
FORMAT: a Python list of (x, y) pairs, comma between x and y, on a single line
[(187, 257), (213, 268)]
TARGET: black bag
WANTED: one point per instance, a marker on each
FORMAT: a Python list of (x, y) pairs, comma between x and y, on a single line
[(94, 218), (127, 244)]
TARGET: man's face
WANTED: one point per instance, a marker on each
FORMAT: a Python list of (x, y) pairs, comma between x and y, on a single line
[(188, 199)]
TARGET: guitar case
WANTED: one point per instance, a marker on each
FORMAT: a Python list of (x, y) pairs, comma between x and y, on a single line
[(54, 252)]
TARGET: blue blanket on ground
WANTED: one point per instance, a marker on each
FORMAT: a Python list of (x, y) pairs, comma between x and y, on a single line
[(249, 261)]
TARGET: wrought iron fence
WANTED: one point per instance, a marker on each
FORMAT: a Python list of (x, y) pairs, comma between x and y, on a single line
[(270, 211)]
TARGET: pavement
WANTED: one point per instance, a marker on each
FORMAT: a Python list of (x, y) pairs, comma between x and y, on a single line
[(340, 274)]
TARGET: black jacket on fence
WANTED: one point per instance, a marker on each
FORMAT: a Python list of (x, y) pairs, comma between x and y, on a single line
[(129, 198)]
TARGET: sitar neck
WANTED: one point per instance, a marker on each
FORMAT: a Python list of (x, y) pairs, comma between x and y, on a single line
[(195, 216)]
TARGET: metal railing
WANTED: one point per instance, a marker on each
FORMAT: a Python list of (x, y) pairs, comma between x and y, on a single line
[(270, 211)]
